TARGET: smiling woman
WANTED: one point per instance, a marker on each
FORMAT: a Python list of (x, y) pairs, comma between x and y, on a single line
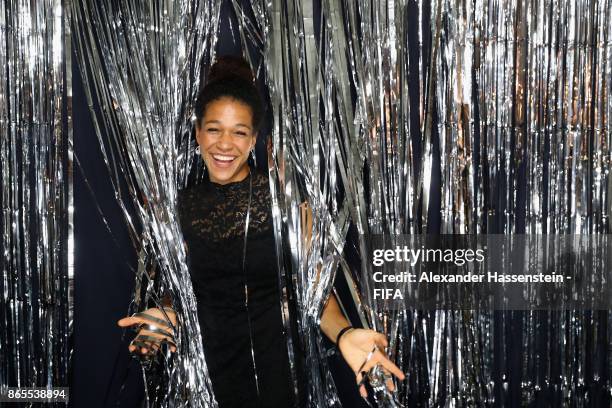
[(226, 223)]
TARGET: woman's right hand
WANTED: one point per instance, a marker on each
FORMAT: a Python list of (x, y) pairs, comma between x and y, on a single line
[(153, 329)]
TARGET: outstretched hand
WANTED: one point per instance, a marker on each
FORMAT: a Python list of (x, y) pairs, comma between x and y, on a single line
[(363, 349), (153, 328)]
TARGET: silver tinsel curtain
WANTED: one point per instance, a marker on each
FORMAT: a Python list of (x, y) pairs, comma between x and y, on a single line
[(140, 65), (36, 194), (393, 117)]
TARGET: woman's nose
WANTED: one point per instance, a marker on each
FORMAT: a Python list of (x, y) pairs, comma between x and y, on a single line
[(225, 140)]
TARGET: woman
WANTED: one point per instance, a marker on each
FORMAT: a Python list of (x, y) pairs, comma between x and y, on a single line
[(227, 228)]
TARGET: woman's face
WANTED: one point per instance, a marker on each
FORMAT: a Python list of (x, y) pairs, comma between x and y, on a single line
[(226, 136)]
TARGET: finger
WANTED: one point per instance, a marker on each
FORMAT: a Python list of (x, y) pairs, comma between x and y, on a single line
[(390, 385), (369, 364), (156, 344), (386, 363), (169, 344), (151, 328), (169, 313), (150, 318), (388, 380), (153, 347), (147, 338), (147, 344), (362, 391), (361, 379), (135, 348), (146, 349), (370, 361), (381, 340), (127, 321), (157, 338), (150, 348), (140, 346)]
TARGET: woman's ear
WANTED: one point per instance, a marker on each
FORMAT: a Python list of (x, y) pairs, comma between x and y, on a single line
[(198, 134)]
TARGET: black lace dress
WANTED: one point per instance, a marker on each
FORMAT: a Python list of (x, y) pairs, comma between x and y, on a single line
[(212, 217)]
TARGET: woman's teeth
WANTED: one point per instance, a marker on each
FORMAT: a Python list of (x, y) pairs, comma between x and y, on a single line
[(223, 159)]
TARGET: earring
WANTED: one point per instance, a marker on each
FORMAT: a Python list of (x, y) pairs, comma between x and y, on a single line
[(253, 157), (199, 154)]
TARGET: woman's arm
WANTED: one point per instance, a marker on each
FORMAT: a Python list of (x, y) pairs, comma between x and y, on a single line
[(153, 325), (332, 319), (362, 349)]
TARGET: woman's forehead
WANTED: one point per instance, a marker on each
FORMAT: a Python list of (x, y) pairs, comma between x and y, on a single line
[(226, 110)]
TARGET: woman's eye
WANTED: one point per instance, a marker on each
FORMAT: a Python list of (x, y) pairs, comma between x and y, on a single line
[(241, 133), (212, 130)]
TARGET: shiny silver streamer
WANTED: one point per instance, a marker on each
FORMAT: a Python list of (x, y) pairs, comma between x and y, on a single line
[(303, 169), (512, 106), (140, 63), (264, 33), (36, 230), (512, 101)]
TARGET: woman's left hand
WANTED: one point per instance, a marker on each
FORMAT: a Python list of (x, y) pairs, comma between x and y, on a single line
[(356, 346)]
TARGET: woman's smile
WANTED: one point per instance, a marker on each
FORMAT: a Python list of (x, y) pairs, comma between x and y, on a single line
[(223, 161)]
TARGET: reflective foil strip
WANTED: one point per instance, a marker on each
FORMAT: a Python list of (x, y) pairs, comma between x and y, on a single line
[(141, 66), (512, 121), (36, 194), (300, 157), (269, 17)]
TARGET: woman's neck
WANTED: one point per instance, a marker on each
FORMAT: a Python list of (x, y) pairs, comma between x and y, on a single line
[(240, 176)]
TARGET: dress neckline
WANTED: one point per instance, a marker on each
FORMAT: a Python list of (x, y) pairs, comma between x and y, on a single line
[(232, 186)]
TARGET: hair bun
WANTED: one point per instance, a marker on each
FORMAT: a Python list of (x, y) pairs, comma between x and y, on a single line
[(230, 66)]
